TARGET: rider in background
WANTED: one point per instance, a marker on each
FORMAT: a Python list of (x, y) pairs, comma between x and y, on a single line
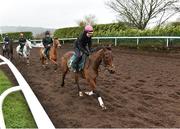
[(83, 45), (6, 40), (22, 41), (47, 42)]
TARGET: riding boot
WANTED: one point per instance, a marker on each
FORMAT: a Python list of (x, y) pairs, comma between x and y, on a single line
[(77, 64), (46, 52), (77, 67)]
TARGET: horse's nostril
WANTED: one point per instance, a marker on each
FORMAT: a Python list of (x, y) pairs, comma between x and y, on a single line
[(112, 71)]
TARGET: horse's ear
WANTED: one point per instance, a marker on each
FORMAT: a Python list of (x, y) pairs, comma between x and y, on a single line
[(109, 47)]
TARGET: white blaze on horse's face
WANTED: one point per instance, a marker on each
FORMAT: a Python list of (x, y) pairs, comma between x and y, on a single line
[(59, 45)]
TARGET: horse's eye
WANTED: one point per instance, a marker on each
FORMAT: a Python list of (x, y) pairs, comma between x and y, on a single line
[(106, 57)]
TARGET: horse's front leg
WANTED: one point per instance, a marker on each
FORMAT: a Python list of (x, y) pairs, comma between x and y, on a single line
[(92, 83), (55, 63), (3, 53), (27, 60), (8, 54), (77, 83)]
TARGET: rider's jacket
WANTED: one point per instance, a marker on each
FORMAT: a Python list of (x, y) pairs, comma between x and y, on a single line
[(47, 41), (83, 43), (22, 41), (6, 40)]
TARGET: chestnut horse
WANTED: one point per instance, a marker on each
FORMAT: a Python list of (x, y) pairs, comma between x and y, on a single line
[(52, 56), (101, 55)]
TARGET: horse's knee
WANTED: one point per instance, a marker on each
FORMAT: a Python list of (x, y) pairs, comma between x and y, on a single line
[(62, 84), (96, 93), (55, 67)]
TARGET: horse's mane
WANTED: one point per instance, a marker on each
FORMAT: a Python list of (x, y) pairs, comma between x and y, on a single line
[(99, 48)]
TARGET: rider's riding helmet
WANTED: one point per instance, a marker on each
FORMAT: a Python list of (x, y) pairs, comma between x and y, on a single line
[(88, 28), (47, 33)]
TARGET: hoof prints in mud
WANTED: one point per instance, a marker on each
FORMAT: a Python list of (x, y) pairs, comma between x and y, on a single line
[(144, 92)]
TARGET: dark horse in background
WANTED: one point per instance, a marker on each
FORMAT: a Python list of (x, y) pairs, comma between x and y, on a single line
[(102, 55), (7, 50)]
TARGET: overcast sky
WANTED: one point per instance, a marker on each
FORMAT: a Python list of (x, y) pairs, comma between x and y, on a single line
[(52, 13)]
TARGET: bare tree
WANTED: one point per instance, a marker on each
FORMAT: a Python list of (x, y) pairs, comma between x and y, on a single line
[(88, 20), (81, 23), (140, 13)]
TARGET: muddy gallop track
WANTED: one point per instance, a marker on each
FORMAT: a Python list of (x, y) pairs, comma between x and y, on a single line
[(144, 91)]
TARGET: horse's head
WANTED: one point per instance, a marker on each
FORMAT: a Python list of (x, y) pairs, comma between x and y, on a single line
[(108, 59), (56, 43)]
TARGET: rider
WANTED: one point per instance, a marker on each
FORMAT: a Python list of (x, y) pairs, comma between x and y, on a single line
[(47, 42), (6, 40), (22, 41), (83, 45)]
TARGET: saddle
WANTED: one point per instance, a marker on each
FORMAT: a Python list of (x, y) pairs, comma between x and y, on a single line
[(71, 63)]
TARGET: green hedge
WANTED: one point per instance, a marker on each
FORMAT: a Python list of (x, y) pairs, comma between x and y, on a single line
[(1, 38), (116, 29), (99, 30), (15, 36)]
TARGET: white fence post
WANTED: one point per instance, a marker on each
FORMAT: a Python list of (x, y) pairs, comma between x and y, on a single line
[(167, 43), (115, 41), (137, 41), (98, 40)]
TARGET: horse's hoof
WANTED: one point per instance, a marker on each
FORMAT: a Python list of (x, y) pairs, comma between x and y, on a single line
[(80, 93), (89, 93), (104, 108)]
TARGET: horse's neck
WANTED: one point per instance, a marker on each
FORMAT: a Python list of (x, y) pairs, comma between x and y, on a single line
[(27, 45), (96, 59), (53, 48)]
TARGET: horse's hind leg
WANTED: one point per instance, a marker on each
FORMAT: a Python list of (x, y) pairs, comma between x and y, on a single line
[(27, 60), (8, 55), (63, 77), (42, 61), (64, 69), (77, 83)]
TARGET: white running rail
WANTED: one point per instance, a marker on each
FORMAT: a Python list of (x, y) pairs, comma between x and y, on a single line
[(126, 37), (167, 38), (41, 118)]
